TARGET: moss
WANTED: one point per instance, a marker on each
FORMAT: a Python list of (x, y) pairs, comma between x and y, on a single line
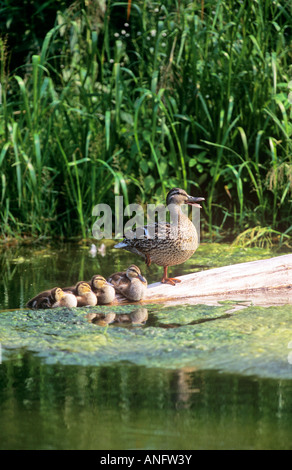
[(252, 341)]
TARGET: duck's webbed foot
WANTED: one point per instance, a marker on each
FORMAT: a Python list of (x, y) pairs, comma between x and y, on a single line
[(169, 280)]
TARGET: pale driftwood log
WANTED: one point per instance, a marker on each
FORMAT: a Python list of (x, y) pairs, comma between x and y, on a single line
[(262, 282)]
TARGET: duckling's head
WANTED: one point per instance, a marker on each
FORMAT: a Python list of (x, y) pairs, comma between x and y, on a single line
[(180, 196), (98, 282), (133, 272), (83, 288), (58, 294)]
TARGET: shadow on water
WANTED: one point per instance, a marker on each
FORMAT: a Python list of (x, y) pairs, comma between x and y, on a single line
[(138, 377)]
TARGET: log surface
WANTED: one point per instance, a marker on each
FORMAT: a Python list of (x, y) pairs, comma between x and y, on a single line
[(266, 281)]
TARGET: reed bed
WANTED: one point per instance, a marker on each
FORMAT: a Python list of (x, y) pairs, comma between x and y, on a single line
[(188, 94)]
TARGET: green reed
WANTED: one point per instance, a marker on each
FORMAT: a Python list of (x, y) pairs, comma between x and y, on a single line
[(189, 94)]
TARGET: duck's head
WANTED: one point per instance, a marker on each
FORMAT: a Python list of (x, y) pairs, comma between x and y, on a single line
[(83, 288), (58, 294), (180, 196), (98, 282), (133, 272)]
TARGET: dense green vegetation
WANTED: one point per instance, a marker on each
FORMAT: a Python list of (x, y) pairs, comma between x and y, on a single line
[(190, 94)]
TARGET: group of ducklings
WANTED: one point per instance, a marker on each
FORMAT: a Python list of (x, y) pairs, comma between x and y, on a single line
[(98, 291)]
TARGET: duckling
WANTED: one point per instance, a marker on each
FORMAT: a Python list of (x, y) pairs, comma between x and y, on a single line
[(83, 293), (64, 299), (171, 243), (44, 299), (104, 292), (130, 283)]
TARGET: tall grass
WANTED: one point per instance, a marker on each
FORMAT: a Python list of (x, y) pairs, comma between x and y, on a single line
[(189, 94)]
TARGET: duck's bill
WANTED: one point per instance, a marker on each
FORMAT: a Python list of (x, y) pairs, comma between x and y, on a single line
[(141, 278), (194, 201)]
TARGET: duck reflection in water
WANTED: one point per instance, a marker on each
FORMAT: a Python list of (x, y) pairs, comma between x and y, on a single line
[(138, 316)]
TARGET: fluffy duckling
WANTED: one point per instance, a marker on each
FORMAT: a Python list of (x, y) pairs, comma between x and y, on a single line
[(45, 299), (130, 283), (83, 294), (64, 299), (104, 292)]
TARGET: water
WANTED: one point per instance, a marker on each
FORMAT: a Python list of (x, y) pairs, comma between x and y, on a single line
[(131, 407), (187, 377)]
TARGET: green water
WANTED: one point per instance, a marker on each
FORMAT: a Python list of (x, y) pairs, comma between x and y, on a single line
[(132, 407), (158, 377)]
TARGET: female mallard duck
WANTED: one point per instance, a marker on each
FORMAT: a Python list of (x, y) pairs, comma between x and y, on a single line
[(104, 292), (83, 294), (130, 283), (167, 244), (55, 297)]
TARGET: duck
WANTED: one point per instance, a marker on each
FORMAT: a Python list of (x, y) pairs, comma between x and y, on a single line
[(83, 293), (104, 291), (51, 298), (64, 299), (130, 283), (163, 243)]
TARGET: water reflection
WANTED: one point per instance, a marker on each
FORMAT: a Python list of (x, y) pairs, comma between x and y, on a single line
[(123, 406), (138, 316)]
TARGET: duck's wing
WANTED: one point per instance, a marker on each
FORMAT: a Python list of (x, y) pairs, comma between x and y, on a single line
[(117, 278), (145, 235), (150, 231)]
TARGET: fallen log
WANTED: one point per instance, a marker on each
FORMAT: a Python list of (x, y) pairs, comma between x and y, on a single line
[(265, 282)]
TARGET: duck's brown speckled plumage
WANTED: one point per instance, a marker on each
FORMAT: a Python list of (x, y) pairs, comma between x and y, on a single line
[(167, 244)]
